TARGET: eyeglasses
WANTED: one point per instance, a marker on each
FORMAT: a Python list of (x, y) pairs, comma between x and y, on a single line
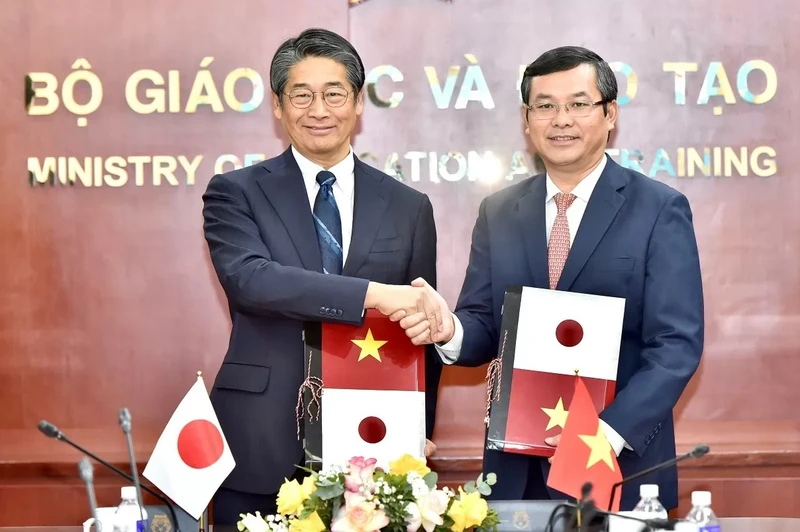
[(548, 111), (303, 98)]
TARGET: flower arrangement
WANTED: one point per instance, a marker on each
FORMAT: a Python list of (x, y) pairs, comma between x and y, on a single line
[(362, 498)]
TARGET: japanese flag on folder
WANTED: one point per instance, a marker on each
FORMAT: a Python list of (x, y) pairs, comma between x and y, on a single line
[(549, 336)]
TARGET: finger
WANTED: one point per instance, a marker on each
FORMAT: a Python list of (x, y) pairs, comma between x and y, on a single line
[(551, 441), (398, 315), (423, 338), (419, 282), (412, 320), (418, 329), (436, 310), (550, 460)]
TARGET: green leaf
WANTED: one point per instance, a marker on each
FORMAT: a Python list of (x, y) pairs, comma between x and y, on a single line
[(431, 479), (328, 492), (491, 479), (469, 487), (480, 479), (484, 489), (306, 469)]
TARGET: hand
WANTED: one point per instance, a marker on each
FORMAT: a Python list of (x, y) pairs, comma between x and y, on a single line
[(404, 300), (430, 448), (552, 441), (420, 327)]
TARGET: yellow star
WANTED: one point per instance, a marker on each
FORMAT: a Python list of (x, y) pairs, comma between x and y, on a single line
[(369, 347), (558, 416), (601, 448)]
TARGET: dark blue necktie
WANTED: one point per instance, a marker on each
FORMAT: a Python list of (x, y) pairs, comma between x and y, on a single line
[(329, 224)]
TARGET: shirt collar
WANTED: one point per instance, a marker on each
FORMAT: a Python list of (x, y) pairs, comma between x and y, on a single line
[(582, 190), (343, 170)]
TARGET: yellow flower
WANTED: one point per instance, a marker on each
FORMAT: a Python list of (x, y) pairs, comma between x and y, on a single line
[(467, 511), (308, 486), (407, 463), (291, 497), (312, 523)]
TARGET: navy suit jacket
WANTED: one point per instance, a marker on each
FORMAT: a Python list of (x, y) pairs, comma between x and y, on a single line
[(635, 241), (263, 245)]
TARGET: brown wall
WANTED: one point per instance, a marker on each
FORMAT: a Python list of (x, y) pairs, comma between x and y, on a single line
[(109, 299)]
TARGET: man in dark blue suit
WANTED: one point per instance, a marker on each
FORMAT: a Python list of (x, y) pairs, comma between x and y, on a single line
[(313, 234), (587, 225)]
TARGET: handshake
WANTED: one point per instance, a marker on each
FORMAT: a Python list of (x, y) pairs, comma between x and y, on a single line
[(421, 311)]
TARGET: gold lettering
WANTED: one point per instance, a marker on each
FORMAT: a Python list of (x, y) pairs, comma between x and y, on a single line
[(138, 162), (190, 167), (156, 96), (164, 166), (46, 92), (82, 73), (204, 92), (680, 69), (228, 90), (768, 166), (116, 175)]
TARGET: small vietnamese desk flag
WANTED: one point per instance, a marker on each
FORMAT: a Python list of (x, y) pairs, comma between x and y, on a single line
[(584, 454), (373, 391), (191, 458)]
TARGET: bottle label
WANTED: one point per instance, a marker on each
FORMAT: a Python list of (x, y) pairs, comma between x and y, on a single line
[(709, 528), (141, 526)]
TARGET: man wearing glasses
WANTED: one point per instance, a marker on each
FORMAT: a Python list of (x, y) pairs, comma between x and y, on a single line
[(587, 225), (313, 234)]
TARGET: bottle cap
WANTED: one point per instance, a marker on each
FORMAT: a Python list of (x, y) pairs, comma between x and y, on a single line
[(701, 498), (128, 492), (648, 490)]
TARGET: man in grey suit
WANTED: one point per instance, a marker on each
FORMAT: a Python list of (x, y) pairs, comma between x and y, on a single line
[(313, 234)]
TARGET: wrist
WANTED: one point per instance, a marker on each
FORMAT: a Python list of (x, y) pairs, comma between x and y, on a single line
[(451, 329), (374, 291)]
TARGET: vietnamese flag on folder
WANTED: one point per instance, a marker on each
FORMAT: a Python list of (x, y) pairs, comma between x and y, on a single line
[(584, 454), (373, 398)]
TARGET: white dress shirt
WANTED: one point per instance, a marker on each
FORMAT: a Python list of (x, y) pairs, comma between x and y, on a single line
[(583, 191), (343, 190)]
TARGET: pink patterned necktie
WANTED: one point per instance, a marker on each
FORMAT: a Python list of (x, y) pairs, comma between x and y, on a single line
[(558, 247)]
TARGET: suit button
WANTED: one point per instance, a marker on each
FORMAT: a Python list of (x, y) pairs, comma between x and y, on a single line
[(338, 312), (323, 310)]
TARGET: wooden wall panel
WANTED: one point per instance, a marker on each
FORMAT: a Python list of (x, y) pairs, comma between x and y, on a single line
[(108, 298)]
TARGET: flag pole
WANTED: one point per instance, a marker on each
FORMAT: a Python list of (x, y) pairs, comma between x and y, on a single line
[(202, 522), (578, 511)]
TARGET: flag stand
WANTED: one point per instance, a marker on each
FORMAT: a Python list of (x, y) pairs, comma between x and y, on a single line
[(202, 523)]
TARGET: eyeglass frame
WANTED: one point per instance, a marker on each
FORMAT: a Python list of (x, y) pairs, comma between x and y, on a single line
[(314, 96), (566, 107)]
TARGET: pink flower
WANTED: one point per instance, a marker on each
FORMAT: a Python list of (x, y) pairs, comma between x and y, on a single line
[(360, 474), (358, 515)]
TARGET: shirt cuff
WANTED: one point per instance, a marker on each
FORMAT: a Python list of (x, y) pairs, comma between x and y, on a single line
[(449, 352), (617, 442)]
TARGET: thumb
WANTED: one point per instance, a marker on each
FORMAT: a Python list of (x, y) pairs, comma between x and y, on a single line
[(419, 282)]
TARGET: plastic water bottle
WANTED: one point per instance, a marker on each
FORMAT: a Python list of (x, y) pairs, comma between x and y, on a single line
[(127, 518), (649, 506), (701, 513), (685, 526)]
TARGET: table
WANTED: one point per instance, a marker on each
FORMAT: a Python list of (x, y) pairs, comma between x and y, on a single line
[(728, 524)]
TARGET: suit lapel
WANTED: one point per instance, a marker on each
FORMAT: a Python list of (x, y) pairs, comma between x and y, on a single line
[(368, 208), (601, 210), (284, 187), (531, 221)]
